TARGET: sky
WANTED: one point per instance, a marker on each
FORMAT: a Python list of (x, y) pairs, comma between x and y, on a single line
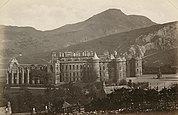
[(51, 14)]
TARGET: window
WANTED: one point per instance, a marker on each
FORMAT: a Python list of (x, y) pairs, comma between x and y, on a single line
[(70, 67), (77, 67), (103, 67), (120, 68), (100, 74), (73, 66), (137, 70), (66, 79), (66, 67)]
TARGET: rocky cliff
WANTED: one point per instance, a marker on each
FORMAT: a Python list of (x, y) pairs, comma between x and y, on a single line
[(158, 39)]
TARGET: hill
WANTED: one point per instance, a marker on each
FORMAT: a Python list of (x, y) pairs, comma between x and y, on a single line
[(28, 40), (158, 42), (107, 31)]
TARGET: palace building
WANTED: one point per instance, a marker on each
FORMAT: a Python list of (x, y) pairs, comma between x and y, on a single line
[(87, 67), (79, 67)]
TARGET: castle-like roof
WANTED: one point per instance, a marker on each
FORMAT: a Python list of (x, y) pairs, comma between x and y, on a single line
[(95, 56), (119, 58), (66, 105), (123, 59), (112, 56)]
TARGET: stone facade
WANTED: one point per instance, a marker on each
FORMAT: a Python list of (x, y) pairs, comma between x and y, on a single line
[(21, 73), (87, 66), (81, 67)]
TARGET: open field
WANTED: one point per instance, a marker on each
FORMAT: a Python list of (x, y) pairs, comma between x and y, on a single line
[(166, 80)]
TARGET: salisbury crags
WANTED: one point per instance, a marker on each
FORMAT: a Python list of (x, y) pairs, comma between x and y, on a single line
[(157, 42)]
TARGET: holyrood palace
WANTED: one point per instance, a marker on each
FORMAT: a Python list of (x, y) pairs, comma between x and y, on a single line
[(79, 67)]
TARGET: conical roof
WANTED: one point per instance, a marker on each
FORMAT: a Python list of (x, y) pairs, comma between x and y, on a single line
[(112, 56), (95, 56), (123, 59), (119, 58), (66, 104)]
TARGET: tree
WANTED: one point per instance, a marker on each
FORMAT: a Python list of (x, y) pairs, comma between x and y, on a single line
[(138, 97), (120, 98), (152, 98), (164, 97), (23, 101), (123, 82), (173, 91)]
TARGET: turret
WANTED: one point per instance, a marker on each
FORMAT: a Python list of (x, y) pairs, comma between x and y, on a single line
[(124, 67), (138, 66), (53, 61), (53, 57), (134, 67), (96, 68), (112, 57), (57, 71), (118, 69)]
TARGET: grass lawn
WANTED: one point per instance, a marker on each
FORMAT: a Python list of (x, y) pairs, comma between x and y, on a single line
[(166, 80)]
